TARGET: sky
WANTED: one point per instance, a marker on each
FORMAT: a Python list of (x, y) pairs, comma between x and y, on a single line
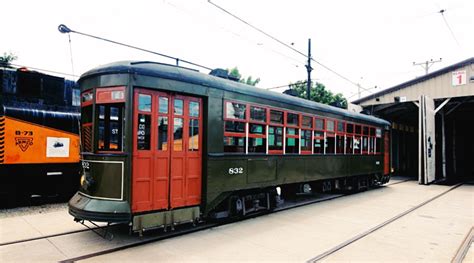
[(371, 43)]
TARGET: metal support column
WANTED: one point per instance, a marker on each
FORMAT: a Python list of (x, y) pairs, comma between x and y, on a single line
[(443, 144)]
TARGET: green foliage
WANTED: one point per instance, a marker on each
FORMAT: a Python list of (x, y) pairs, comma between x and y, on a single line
[(320, 94), (7, 58), (249, 80)]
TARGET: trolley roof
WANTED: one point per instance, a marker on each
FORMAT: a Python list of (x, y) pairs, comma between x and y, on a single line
[(160, 70)]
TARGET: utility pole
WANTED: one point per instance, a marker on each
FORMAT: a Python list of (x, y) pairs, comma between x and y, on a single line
[(309, 69), (427, 64)]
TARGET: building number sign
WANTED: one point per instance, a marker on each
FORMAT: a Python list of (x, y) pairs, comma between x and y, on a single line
[(458, 78)]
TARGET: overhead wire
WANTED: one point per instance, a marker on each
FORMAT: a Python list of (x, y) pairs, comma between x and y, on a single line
[(288, 85), (44, 70), (282, 43), (238, 35), (70, 52), (64, 29), (449, 27)]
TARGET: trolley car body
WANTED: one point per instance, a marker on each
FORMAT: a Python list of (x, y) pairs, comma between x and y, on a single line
[(166, 145)]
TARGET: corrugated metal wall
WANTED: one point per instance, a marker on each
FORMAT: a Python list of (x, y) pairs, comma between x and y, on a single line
[(436, 88)]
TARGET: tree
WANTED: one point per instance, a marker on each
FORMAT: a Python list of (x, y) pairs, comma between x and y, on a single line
[(249, 80), (6, 59), (319, 93)]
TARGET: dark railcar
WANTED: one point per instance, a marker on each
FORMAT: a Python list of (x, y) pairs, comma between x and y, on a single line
[(166, 145), (39, 141)]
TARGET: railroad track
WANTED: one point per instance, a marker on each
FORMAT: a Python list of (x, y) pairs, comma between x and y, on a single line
[(182, 231), (464, 247), (377, 227), (48, 236)]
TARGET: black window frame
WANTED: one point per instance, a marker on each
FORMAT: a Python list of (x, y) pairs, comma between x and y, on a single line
[(107, 126)]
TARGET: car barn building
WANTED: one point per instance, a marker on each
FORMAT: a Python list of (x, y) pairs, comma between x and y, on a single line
[(432, 123)]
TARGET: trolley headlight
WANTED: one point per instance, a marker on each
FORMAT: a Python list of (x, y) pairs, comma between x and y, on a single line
[(87, 182), (83, 180)]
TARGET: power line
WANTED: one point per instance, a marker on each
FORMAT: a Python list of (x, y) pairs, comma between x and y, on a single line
[(64, 29), (70, 53), (288, 85), (256, 28), (281, 42), (45, 70), (281, 86), (447, 24), (187, 12), (358, 93)]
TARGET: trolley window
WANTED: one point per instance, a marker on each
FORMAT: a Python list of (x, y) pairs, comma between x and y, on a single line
[(330, 137), (178, 106), (163, 105), (163, 133), (86, 98), (110, 127), (234, 144), (193, 132), (235, 110), (330, 125), (258, 114), (144, 102), (340, 127), (292, 119), (358, 139), (330, 143), (292, 141), (257, 138), (365, 130), (193, 144), (350, 128), (86, 120), (320, 124), (257, 129), (144, 122), (319, 137), (275, 138), (349, 144), (372, 140), (307, 122), (357, 129), (306, 134), (235, 126), (306, 141), (178, 134), (276, 117), (378, 140), (339, 143), (340, 137), (357, 146), (275, 132), (318, 142)]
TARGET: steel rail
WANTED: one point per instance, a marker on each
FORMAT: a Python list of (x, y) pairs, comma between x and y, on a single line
[(379, 226), (177, 233), (47, 236), (464, 247)]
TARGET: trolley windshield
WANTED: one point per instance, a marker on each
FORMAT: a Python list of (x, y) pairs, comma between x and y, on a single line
[(102, 119)]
